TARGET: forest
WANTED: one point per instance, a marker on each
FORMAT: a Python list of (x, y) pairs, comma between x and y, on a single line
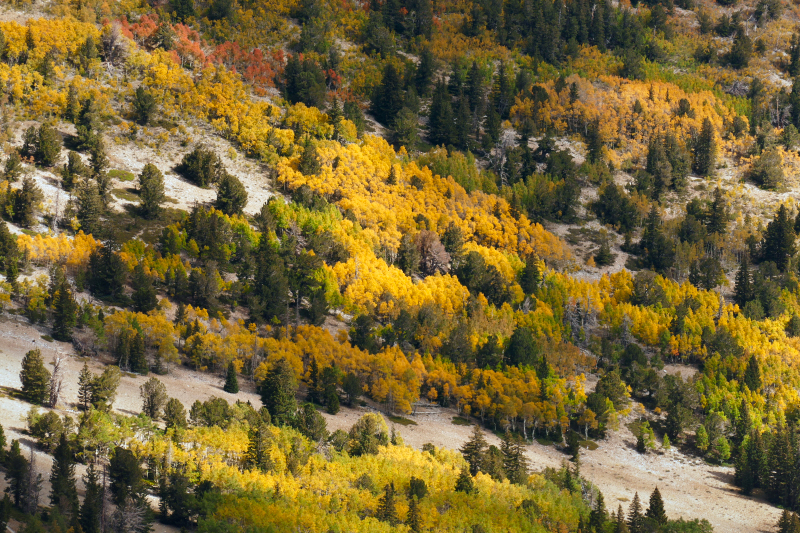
[(562, 220)]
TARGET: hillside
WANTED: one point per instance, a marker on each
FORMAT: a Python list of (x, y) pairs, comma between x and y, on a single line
[(571, 223)]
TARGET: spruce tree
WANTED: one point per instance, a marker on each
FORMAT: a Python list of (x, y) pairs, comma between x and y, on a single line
[(717, 220), (413, 519), (474, 450), (25, 202), (63, 492), (743, 290), (387, 511), (64, 312), (154, 397), (388, 98), (705, 149), (778, 244), (515, 463), (151, 191), (440, 117), (72, 170), (144, 105), (137, 359), (90, 207), (621, 526), (599, 516), (35, 377), (257, 455), (144, 293), (174, 414), (278, 392), (85, 384), (655, 511), (464, 482), (16, 471), (752, 374), (13, 167), (231, 380), (88, 124), (92, 502), (635, 518), (231, 195), (309, 160), (98, 162), (48, 147)]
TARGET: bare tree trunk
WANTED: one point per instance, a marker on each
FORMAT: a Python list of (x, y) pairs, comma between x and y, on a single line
[(56, 380)]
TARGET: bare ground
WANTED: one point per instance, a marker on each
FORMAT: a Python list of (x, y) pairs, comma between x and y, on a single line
[(690, 487)]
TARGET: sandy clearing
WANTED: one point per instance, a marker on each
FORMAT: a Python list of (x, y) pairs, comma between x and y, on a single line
[(691, 488)]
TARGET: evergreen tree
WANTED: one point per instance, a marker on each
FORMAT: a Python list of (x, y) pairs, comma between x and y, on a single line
[(107, 274), (752, 374), (90, 207), (701, 438), (64, 312), (13, 168), (231, 381), (257, 455), (309, 160), (515, 463), (621, 526), (781, 466), (35, 377), (98, 162), (743, 290), (201, 166), (126, 477), (137, 359), (474, 450), (277, 392), (635, 518), (72, 170), (48, 147), (778, 243), (63, 492), (144, 105), (388, 97), (604, 257), (464, 482), (16, 470), (5, 512), (656, 509), (154, 397), (151, 191), (174, 414), (440, 116), (144, 293), (231, 195), (387, 511), (87, 54), (25, 203), (413, 519), (85, 384), (599, 516), (88, 126), (705, 150)]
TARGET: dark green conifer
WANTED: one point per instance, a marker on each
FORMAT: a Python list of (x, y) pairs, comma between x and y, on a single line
[(655, 511), (63, 492), (35, 377), (231, 380)]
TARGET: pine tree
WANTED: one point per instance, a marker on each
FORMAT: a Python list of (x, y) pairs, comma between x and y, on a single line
[(151, 191), (88, 125), (92, 502), (277, 392), (387, 511), (656, 509), (440, 116), (778, 243), (25, 202), (137, 358), (144, 293), (35, 377), (48, 147), (154, 397), (64, 312), (5, 512), (231, 195), (85, 383), (752, 374), (257, 455), (388, 98), (635, 518), (16, 470), (231, 381), (464, 482), (174, 414), (309, 160), (705, 150), (90, 206), (87, 54), (743, 289), (599, 516), (413, 519), (474, 450), (13, 168), (717, 220), (72, 170), (621, 526), (515, 463), (144, 105), (98, 162), (2, 445), (63, 492)]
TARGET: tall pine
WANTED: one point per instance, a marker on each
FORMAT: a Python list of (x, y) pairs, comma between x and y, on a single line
[(63, 492)]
